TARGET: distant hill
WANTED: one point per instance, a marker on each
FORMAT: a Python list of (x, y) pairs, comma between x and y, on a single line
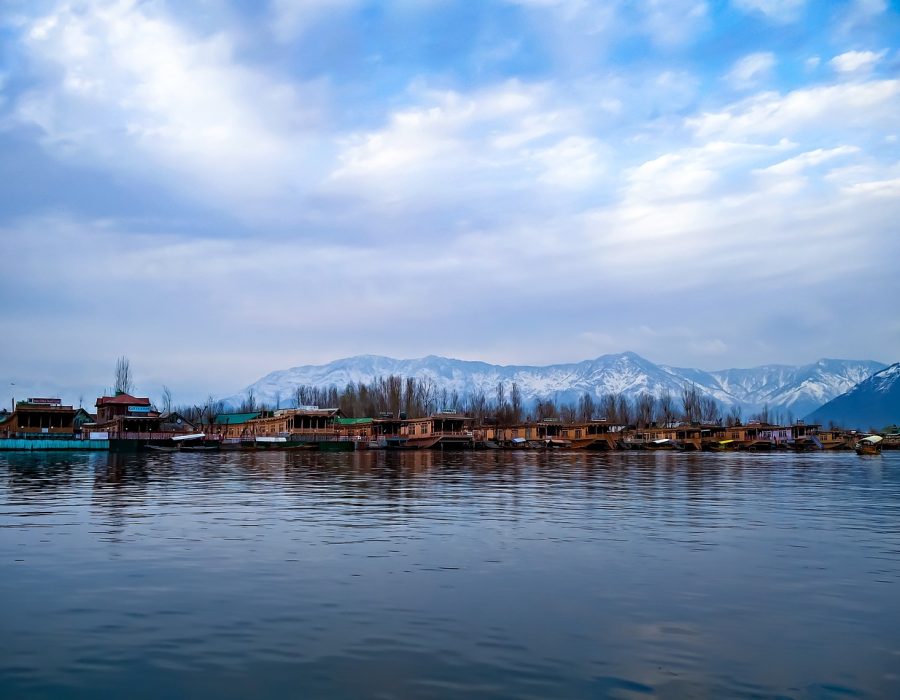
[(873, 403), (786, 388)]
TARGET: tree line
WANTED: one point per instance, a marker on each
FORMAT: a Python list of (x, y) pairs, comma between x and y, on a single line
[(416, 397)]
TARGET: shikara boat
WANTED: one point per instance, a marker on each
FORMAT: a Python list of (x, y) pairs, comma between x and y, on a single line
[(870, 445)]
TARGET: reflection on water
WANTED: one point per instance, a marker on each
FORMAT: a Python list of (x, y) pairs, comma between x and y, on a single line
[(422, 574)]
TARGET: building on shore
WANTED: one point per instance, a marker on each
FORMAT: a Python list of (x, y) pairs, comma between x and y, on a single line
[(40, 416), (233, 425), (125, 416)]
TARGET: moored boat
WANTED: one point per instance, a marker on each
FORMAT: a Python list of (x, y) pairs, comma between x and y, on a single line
[(870, 445)]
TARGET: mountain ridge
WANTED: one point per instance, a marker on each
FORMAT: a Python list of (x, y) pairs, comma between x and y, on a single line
[(798, 389), (872, 404)]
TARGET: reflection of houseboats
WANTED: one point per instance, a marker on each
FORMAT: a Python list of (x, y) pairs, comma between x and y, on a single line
[(870, 445)]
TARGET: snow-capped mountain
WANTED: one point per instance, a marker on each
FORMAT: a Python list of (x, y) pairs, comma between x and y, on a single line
[(783, 387), (795, 389), (873, 403)]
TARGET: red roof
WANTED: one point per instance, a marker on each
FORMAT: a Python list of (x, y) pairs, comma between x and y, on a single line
[(126, 399)]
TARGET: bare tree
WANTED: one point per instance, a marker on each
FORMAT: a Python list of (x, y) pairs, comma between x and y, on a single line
[(666, 409), (644, 407), (586, 406), (210, 410), (545, 408), (763, 416), (428, 395), (690, 403), (248, 405), (710, 412), (479, 405), (123, 380), (166, 399), (608, 407), (394, 394), (734, 416), (623, 409), (515, 403)]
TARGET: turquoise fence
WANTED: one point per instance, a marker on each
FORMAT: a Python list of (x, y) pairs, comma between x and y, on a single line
[(52, 444)]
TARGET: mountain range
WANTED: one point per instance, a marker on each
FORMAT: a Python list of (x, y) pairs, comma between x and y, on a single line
[(794, 390), (873, 403)]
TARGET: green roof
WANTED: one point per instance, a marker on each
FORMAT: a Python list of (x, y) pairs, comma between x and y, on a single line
[(235, 418), (351, 421)]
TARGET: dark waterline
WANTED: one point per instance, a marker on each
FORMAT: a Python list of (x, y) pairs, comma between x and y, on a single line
[(457, 575)]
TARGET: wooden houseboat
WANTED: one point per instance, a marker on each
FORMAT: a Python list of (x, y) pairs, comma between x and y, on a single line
[(40, 416), (439, 431), (594, 434)]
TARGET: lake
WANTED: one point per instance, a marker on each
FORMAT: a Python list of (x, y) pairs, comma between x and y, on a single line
[(524, 574)]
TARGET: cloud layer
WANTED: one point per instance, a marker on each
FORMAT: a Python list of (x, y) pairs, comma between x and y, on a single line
[(220, 194)]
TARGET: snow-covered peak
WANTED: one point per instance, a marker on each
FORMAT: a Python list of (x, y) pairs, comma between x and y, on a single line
[(795, 389)]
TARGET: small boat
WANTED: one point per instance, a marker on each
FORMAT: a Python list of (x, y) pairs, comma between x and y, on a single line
[(870, 445), (487, 445), (762, 446), (194, 442), (720, 446), (661, 444)]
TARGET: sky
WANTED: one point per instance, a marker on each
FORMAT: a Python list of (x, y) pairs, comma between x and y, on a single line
[(216, 190)]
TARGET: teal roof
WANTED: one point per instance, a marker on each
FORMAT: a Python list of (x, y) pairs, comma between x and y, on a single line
[(235, 418), (351, 421)]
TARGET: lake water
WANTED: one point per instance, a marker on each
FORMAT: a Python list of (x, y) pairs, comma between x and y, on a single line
[(456, 575)]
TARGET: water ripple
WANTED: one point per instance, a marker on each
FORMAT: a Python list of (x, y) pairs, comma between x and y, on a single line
[(471, 575)]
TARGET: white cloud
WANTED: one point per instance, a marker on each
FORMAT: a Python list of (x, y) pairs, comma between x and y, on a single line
[(809, 159), (871, 104), (668, 23), (604, 191), (781, 11), (751, 68), (291, 18), (856, 61), (126, 86), (574, 162), (860, 13), (878, 188), (674, 22), (591, 17), (511, 135), (690, 173)]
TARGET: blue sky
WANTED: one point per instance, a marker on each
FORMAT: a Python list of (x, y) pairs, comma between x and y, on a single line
[(219, 189)]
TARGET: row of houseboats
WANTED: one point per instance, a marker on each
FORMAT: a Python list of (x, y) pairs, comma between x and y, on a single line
[(129, 422)]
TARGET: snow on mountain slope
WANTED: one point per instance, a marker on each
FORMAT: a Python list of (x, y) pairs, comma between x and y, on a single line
[(871, 404), (795, 389)]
